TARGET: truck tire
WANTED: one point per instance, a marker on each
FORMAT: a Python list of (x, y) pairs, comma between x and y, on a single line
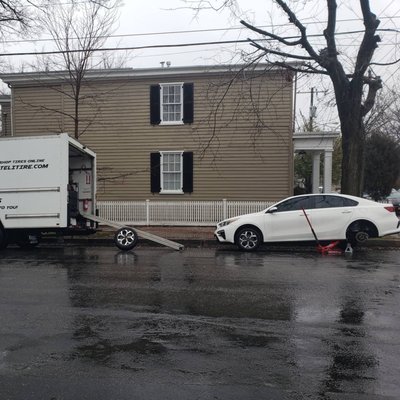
[(126, 238)]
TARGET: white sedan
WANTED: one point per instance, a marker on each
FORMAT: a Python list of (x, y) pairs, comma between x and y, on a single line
[(332, 216)]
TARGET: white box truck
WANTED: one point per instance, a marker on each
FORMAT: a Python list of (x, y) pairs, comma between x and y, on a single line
[(45, 184), (48, 185)]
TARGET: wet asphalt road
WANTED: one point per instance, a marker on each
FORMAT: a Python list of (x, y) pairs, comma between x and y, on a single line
[(93, 323)]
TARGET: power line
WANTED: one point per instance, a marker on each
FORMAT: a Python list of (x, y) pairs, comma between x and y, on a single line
[(158, 46), (120, 36), (155, 46)]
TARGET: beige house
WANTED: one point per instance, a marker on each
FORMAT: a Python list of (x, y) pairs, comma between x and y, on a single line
[(195, 133), (5, 115)]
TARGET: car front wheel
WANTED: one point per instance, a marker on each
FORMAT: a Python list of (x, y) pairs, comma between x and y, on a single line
[(126, 238), (248, 238)]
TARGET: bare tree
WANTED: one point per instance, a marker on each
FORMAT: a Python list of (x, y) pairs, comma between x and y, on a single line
[(349, 86), (15, 16), (79, 29)]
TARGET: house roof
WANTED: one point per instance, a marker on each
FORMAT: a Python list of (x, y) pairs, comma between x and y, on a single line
[(316, 141), (21, 78)]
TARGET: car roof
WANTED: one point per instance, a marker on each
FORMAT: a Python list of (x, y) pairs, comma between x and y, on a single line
[(347, 196)]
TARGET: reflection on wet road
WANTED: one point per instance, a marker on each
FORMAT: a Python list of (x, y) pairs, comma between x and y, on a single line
[(92, 323)]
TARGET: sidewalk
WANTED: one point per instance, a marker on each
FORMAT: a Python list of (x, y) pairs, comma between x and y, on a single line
[(196, 236)]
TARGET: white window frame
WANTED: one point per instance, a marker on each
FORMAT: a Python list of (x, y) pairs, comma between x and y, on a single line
[(164, 191), (162, 85)]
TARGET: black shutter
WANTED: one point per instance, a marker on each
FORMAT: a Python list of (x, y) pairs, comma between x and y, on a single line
[(155, 117), (155, 171), (187, 172), (188, 106)]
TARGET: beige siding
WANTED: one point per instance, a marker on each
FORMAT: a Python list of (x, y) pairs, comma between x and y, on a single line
[(241, 137), (37, 110), (5, 119)]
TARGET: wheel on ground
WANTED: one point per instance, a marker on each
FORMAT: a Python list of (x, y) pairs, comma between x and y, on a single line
[(3, 239), (248, 238), (126, 238)]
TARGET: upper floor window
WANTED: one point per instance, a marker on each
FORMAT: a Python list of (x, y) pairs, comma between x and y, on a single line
[(171, 103)]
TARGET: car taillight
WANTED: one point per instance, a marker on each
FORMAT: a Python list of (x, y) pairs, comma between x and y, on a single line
[(390, 208)]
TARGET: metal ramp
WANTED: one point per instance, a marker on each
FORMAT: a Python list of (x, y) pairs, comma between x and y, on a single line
[(142, 234)]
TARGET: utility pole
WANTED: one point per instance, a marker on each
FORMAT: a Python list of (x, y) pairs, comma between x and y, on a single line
[(313, 109)]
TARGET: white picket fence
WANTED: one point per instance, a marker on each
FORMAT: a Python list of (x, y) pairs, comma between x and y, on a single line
[(182, 213)]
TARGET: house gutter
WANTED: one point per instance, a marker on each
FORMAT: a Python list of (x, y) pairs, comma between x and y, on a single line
[(16, 79)]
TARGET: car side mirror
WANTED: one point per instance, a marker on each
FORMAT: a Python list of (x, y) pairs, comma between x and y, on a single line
[(272, 210)]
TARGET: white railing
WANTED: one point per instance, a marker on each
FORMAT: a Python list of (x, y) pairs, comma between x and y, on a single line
[(183, 213)]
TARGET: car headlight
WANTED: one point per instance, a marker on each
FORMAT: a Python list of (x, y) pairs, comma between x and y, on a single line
[(227, 222)]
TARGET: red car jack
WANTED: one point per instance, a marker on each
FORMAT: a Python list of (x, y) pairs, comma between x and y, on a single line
[(331, 247)]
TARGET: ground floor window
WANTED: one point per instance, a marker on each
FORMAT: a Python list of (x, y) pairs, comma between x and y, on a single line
[(171, 172)]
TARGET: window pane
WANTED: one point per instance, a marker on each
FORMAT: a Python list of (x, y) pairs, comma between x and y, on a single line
[(171, 113), (350, 203), (172, 181), (324, 201), (296, 203), (331, 201)]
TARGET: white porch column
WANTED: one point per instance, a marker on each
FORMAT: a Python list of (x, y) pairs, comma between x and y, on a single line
[(315, 171), (327, 171)]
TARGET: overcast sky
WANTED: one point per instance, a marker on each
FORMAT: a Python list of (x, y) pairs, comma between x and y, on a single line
[(171, 22), (174, 15)]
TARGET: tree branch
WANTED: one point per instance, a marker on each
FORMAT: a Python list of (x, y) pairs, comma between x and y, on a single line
[(329, 32), (279, 53), (271, 35), (304, 40), (385, 64), (370, 40), (305, 68), (374, 84)]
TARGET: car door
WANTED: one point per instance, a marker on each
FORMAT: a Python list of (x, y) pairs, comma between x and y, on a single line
[(286, 222), (331, 215)]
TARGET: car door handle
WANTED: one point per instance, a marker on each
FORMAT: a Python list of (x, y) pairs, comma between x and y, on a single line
[(346, 212)]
